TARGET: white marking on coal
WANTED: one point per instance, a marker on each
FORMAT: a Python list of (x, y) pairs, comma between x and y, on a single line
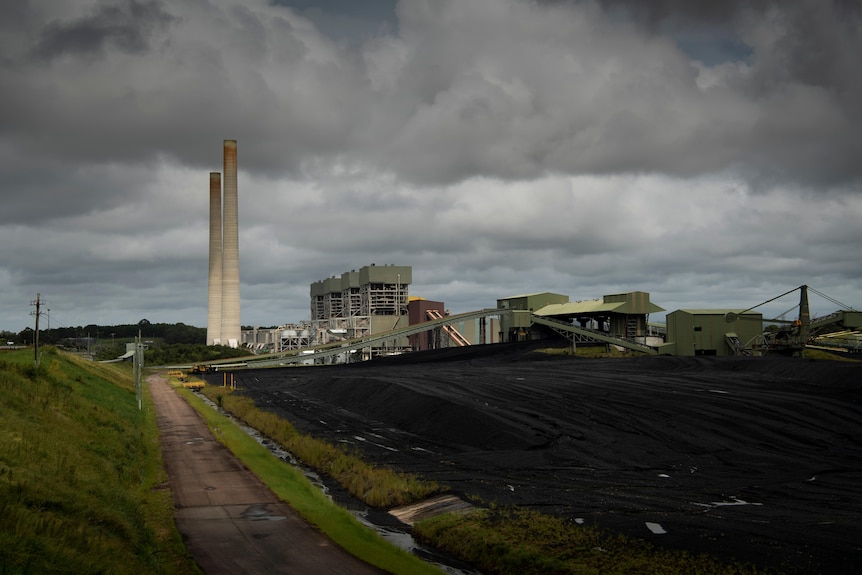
[(655, 528), (734, 502), (664, 475), (579, 520), (360, 438), (717, 391)]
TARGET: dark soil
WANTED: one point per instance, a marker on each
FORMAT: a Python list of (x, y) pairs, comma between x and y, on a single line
[(749, 459)]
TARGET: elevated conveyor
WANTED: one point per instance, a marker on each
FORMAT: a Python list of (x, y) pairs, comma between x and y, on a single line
[(332, 350), (450, 330), (581, 334)]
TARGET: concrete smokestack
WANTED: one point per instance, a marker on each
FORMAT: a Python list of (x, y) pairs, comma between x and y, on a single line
[(230, 325), (215, 275)]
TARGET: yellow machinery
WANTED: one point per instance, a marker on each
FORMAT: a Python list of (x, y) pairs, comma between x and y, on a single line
[(179, 375)]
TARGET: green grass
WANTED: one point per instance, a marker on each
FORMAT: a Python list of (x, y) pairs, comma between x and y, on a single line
[(589, 351), (821, 354), (524, 542), (82, 485), (290, 485)]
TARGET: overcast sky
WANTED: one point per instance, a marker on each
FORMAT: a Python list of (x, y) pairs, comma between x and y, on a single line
[(705, 152)]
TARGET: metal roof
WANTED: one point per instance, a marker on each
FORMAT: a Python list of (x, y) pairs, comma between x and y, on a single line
[(595, 306), (718, 311), (574, 307), (532, 295)]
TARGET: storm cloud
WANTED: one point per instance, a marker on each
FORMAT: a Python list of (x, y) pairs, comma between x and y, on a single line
[(707, 153)]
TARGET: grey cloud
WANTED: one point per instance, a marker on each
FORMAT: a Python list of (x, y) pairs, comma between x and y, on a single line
[(507, 89), (497, 146), (126, 27), (516, 91)]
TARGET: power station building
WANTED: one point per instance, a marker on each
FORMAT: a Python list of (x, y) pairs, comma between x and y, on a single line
[(360, 303), (624, 316), (223, 309), (712, 331)]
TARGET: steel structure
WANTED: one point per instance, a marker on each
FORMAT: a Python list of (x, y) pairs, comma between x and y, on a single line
[(332, 350), (793, 336), (361, 303), (450, 330), (577, 334)]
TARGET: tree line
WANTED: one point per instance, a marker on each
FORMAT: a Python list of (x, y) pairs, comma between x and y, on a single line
[(81, 336)]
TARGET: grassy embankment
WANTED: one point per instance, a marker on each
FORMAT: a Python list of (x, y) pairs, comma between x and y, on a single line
[(495, 541), (290, 485), (82, 485)]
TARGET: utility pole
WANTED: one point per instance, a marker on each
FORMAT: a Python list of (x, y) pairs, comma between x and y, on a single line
[(138, 359), (38, 303)]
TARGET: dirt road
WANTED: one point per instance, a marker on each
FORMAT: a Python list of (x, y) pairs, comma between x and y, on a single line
[(230, 521), (752, 459)]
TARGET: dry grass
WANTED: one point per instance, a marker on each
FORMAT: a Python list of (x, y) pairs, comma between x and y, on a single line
[(376, 486)]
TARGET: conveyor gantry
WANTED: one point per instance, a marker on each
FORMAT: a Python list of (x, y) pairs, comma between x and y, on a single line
[(331, 350), (575, 333), (450, 330)]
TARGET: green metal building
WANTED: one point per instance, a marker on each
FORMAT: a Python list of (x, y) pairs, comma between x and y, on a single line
[(515, 326), (708, 332)]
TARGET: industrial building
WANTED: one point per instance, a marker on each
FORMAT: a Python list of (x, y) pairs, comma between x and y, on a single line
[(712, 332), (371, 312), (361, 303), (276, 339), (365, 315), (624, 316), (459, 332)]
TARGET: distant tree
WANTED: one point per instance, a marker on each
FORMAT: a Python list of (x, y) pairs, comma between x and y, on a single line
[(182, 333), (25, 336), (189, 353)]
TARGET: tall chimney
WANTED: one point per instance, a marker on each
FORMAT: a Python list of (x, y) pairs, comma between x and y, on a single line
[(231, 334), (215, 274)]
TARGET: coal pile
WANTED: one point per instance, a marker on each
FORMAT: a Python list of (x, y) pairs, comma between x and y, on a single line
[(748, 459)]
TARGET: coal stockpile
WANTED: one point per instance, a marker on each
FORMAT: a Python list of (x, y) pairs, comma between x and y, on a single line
[(748, 459)]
